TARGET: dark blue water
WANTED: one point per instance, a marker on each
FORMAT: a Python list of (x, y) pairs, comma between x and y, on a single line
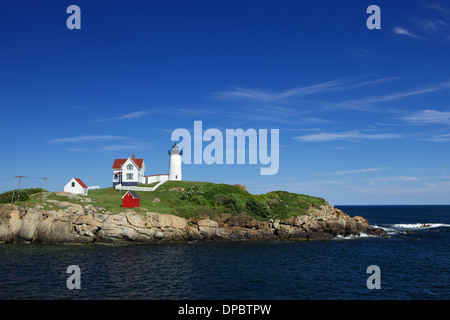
[(414, 263)]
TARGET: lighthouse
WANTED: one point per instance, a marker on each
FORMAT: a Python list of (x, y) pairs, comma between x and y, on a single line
[(175, 163)]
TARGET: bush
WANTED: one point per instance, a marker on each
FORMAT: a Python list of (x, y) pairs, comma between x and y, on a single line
[(8, 196), (195, 190), (229, 201), (198, 199), (220, 195), (257, 208), (11, 196), (276, 204)]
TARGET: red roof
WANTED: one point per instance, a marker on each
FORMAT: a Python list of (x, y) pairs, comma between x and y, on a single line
[(81, 182), (133, 194), (118, 163)]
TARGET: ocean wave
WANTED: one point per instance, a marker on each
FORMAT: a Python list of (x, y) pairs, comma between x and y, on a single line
[(419, 225), (352, 236), (403, 228)]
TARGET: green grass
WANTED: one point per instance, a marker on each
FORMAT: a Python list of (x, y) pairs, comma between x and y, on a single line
[(203, 199), (169, 201)]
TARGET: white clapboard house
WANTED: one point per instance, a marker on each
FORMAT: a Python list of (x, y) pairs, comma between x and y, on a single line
[(128, 172)]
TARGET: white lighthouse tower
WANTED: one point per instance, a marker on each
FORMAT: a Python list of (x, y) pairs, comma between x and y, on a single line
[(175, 163)]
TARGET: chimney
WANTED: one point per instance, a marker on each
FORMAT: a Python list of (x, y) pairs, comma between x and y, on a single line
[(133, 156)]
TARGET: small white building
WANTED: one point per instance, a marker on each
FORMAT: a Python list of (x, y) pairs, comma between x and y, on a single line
[(76, 186), (156, 178)]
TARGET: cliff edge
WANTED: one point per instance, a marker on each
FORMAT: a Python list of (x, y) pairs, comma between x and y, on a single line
[(54, 221)]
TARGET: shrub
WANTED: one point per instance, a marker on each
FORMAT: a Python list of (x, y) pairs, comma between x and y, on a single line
[(189, 194), (11, 196), (198, 199), (229, 201), (257, 208)]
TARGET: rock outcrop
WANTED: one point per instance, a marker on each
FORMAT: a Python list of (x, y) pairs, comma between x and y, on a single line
[(83, 224)]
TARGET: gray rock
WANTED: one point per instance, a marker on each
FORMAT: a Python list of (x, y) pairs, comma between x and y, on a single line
[(158, 235)]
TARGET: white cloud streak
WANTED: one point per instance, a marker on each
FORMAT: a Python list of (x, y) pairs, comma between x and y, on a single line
[(347, 135), (335, 85), (340, 173), (439, 138), (357, 103), (396, 179), (405, 32), (131, 115), (423, 117), (87, 138), (126, 147)]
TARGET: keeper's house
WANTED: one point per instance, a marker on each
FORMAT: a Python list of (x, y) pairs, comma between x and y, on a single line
[(128, 172)]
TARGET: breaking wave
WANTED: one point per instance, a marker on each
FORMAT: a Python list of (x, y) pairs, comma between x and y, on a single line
[(419, 225), (403, 228), (395, 229), (352, 237)]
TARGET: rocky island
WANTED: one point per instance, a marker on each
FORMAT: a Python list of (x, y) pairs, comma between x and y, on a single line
[(57, 217)]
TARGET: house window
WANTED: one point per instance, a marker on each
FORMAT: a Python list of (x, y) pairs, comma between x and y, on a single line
[(130, 167), (129, 176), (73, 184), (116, 177)]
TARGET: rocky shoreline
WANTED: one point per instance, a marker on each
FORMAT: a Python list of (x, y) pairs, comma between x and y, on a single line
[(85, 224)]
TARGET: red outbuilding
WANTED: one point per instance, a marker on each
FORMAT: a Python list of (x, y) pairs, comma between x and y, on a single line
[(131, 200)]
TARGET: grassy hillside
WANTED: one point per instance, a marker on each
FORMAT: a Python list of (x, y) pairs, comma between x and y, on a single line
[(187, 199), (195, 199)]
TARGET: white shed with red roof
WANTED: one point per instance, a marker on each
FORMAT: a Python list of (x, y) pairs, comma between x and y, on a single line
[(76, 186)]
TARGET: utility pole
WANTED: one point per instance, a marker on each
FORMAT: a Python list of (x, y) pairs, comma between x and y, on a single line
[(18, 190), (45, 180)]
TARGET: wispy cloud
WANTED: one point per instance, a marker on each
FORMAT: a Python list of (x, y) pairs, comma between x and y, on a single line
[(434, 25), (313, 89), (271, 113), (131, 115), (245, 93), (192, 111), (438, 8), (424, 117), (439, 138), (364, 103), (405, 32), (340, 173), (430, 26), (361, 52), (88, 138), (101, 143), (126, 147), (347, 135), (328, 86), (396, 179)]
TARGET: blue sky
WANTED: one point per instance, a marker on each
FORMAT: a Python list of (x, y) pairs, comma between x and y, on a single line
[(364, 115)]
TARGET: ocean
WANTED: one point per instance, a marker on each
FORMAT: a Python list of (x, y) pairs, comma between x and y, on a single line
[(413, 263)]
